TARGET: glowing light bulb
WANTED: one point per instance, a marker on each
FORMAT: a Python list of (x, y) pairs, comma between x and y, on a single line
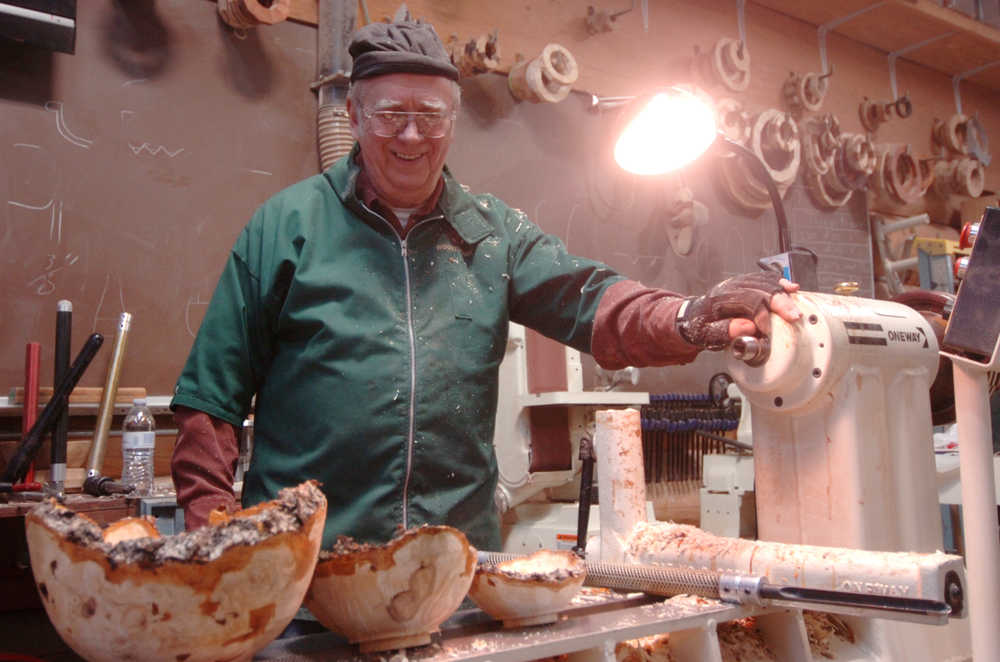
[(674, 129)]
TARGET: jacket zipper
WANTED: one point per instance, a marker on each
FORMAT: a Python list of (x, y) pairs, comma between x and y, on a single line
[(413, 385), (411, 432)]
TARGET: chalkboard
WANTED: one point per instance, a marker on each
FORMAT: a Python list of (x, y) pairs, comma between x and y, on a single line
[(132, 165)]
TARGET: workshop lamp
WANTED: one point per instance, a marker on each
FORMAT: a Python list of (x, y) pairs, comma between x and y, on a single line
[(672, 128)]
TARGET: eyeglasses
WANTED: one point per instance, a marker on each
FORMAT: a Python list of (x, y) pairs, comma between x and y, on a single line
[(390, 123)]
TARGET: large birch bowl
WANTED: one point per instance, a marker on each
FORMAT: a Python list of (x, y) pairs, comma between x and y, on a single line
[(529, 590), (394, 595), (221, 592)]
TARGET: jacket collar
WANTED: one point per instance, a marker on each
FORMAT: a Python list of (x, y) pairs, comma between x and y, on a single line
[(456, 204)]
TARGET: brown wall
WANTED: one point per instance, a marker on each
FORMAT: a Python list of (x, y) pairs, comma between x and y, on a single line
[(145, 227), (629, 60)]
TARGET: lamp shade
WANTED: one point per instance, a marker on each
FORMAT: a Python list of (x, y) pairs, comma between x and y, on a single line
[(673, 128)]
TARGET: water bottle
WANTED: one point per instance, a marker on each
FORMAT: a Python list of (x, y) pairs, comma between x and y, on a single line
[(138, 442)]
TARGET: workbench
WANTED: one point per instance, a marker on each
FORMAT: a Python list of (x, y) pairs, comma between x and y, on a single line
[(597, 618), (15, 574)]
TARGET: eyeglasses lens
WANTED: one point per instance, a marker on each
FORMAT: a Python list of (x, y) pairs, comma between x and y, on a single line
[(388, 124)]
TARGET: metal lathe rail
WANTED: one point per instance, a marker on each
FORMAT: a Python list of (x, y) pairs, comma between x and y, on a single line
[(472, 635)]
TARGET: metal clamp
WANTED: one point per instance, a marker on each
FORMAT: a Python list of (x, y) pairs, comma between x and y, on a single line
[(740, 589)]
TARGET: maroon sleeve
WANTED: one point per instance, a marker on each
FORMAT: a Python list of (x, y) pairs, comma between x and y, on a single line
[(203, 465), (636, 326)]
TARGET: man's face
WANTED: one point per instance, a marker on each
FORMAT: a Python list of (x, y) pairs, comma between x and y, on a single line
[(404, 168)]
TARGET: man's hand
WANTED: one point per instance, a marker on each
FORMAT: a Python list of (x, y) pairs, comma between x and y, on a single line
[(739, 306)]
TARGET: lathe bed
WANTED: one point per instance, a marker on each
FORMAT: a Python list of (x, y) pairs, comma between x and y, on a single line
[(597, 619)]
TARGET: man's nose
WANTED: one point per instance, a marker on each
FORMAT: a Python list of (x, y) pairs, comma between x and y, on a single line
[(410, 132)]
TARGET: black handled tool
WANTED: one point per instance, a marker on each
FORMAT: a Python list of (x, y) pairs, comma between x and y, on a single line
[(32, 441), (60, 431), (587, 459)]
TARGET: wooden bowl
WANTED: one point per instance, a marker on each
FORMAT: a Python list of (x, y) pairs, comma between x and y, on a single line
[(220, 592), (394, 595), (531, 590)]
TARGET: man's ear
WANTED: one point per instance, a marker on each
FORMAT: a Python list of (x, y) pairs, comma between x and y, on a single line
[(355, 120)]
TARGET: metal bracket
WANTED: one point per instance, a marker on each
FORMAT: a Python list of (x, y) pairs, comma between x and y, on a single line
[(959, 77), (893, 56), (822, 31), (741, 20)]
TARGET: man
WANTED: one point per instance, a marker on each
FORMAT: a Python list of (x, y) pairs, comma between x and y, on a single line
[(367, 308)]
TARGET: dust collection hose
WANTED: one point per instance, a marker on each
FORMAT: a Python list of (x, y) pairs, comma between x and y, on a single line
[(333, 131), (667, 581), (336, 24)]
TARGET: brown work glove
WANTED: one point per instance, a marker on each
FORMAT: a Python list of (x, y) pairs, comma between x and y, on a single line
[(704, 320)]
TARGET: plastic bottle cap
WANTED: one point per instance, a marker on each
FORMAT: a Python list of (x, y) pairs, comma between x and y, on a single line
[(139, 402)]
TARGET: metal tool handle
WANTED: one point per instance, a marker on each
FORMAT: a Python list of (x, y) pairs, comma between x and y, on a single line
[(107, 408), (820, 597)]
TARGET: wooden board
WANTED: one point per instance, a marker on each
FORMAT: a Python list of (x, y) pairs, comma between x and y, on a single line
[(81, 395), (952, 42), (78, 450)]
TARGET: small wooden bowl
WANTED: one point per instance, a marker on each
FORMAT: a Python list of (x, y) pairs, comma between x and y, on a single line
[(395, 595), (531, 590), (220, 592)]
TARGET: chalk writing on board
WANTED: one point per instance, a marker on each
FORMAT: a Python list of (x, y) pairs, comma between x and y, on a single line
[(261, 172), (100, 302), (154, 151), (55, 216), (29, 145), (192, 301), (569, 223), (64, 131), (142, 241), (134, 81), (536, 214), (43, 283)]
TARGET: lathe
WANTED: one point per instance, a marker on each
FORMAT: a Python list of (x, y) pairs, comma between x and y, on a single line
[(847, 514), (847, 511)]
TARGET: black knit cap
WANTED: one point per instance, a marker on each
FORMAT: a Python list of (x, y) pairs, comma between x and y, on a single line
[(406, 47)]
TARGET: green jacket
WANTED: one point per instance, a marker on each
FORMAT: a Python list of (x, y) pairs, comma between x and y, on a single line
[(374, 358)]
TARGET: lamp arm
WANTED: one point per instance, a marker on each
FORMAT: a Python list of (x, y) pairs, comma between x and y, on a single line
[(784, 242)]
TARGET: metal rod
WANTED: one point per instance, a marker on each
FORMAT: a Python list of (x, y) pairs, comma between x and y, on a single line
[(817, 596), (979, 510), (958, 78), (60, 430), (741, 21), (33, 440), (893, 56), (726, 440), (670, 581), (107, 408)]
